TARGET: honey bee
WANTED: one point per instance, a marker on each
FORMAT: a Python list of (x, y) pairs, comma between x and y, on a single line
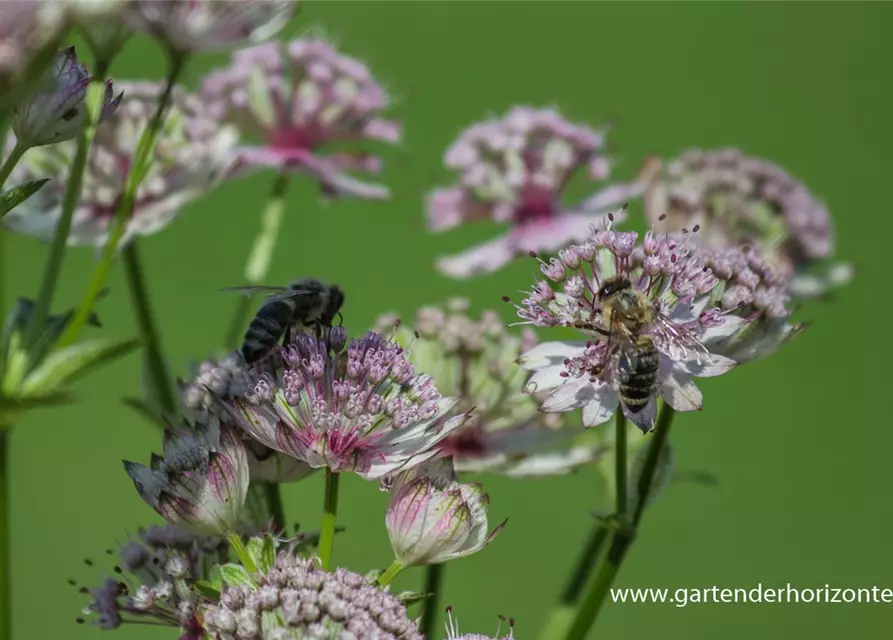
[(637, 333), (304, 304)]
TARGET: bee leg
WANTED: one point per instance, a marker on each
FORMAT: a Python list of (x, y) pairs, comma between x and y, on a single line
[(340, 319), (286, 337)]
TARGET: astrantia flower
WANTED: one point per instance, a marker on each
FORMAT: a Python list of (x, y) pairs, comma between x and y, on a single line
[(738, 199), (296, 600), (298, 98), (191, 155), (157, 575), (362, 409), (475, 361), (453, 633), (664, 277), (201, 481), (431, 518), (26, 27), (514, 170), (202, 25), (56, 111)]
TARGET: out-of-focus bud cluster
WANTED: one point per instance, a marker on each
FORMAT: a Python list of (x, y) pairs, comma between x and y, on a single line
[(741, 200), (475, 361)]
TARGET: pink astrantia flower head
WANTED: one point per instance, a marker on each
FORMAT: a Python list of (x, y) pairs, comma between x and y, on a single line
[(431, 518), (474, 359), (513, 170), (297, 98), (192, 154), (56, 111), (362, 408), (738, 199), (200, 482), (665, 318), (208, 25)]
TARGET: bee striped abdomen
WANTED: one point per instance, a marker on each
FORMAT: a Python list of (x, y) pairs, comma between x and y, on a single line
[(638, 368), (265, 330)]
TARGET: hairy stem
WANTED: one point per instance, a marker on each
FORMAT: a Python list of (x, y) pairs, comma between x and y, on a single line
[(330, 510), (53, 267), (127, 203), (431, 606), (623, 537), (156, 367), (258, 265)]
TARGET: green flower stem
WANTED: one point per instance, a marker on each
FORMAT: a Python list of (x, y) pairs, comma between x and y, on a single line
[(53, 267), (14, 156), (135, 176), (5, 574), (431, 606), (258, 265), (274, 504), (241, 551), (624, 535), (563, 613), (621, 475), (330, 509), (159, 377), (390, 573)]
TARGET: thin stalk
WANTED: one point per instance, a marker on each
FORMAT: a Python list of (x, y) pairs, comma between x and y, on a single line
[(5, 574), (274, 504), (623, 537), (258, 265), (431, 606), (390, 573), (14, 156), (329, 512), (159, 377), (135, 176), (53, 267), (620, 473)]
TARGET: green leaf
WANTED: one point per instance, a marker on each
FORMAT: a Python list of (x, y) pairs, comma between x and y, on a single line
[(268, 555), (216, 578), (9, 200), (234, 575), (62, 367), (411, 597), (241, 552), (207, 589), (255, 550)]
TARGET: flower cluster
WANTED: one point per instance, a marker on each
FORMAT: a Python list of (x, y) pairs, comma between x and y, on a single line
[(475, 361), (298, 98), (657, 300), (295, 599), (191, 157), (357, 406), (156, 580), (741, 200), (514, 169), (453, 633)]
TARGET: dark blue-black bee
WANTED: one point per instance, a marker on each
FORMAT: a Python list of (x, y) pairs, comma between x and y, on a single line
[(304, 304)]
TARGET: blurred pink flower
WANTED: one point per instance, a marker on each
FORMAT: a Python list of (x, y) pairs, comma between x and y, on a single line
[(192, 154), (202, 25), (514, 170), (298, 98)]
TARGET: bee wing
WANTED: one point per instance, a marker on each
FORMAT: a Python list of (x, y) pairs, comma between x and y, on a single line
[(255, 289), (677, 342)]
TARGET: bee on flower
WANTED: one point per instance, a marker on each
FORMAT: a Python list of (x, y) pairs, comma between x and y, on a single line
[(651, 312)]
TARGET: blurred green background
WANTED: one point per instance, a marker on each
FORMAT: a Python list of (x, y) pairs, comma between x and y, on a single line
[(800, 442)]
